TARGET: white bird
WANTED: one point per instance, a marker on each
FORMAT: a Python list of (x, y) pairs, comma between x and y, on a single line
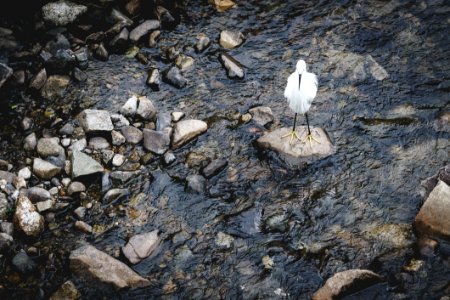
[(301, 89)]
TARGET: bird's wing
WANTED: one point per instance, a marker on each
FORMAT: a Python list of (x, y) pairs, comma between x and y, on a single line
[(292, 83), (310, 83)]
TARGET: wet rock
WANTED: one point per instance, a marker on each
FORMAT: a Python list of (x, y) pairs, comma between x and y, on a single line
[(143, 29), (38, 81), (76, 187), (298, 153), (153, 37), (23, 263), (153, 79), (119, 120), (95, 121), (91, 264), (60, 42), (224, 240), (79, 145), (44, 169), (203, 42), (49, 147), (186, 130), (177, 116), (169, 158), (117, 138), (233, 67), (118, 16), (261, 115), (173, 76), (30, 142), (231, 39), (222, 5), (67, 291), (61, 63), (214, 167), (346, 282), (275, 220), (132, 134), (120, 41), (26, 218), (18, 77), (156, 141), (146, 110), (62, 13), (83, 226), (44, 205), (5, 241), (98, 143), (141, 246), (5, 73), (123, 176), (165, 17), (25, 173), (79, 75), (115, 195), (37, 194), (55, 87), (196, 183), (184, 62), (83, 165), (101, 52), (432, 219)]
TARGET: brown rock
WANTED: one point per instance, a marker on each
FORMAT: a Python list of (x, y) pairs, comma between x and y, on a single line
[(67, 291)]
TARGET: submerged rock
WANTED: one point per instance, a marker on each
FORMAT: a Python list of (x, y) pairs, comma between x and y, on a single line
[(26, 218), (142, 29), (62, 13), (299, 152), (95, 120), (231, 39), (115, 194), (141, 246), (186, 130), (55, 87), (224, 240), (91, 264), (173, 76), (261, 115), (346, 282), (83, 164), (433, 217), (233, 67), (184, 62)]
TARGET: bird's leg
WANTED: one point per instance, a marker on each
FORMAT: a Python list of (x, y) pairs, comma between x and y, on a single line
[(293, 133), (309, 135)]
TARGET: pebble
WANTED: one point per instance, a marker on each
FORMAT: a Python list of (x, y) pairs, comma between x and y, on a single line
[(80, 212), (203, 42), (26, 123), (169, 158), (118, 160), (76, 187), (23, 263), (38, 81), (83, 164), (5, 241), (156, 141), (55, 87), (79, 145), (154, 79), (30, 142), (44, 205), (19, 182), (114, 195), (214, 167), (177, 116), (25, 173), (196, 183), (67, 291), (49, 147), (65, 142), (26, 218), (231, 39), (233, 67), (98, 143), (186, 130), (117, 138), (83, 226), (262, 115), (141, 246)]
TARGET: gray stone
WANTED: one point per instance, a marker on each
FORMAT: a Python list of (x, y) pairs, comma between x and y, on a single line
[(130, 107), (196, 183), (107, 155), (91, 264), (98, 143), (214, 167), (123, 176), (173, 76), (177, 116), (163, 121), (203, 42), (231, 39), (120, 17), (119, 120), (38, 81), (65, 142), (67, 291), (115, 194), (5, 73), (186, 130), (44, 169), (132, 134), (79, 75), (233, 67), (83, 164), (26, 123), (120, 40), (49, 147), (146, 110), (95, 121), (261, 115), (142, 29), (118, 160), (156, 141), (30, 142), (62, 13), (26, 218), (25, 173), (36, 194), (3, 165), (5, 241), (23, 263), (55, 87), (76, 187), (298, 153), (7, 227), (433, 218), (117, 138), (79, 145), (44, 205), (141, 246), (346, 282)]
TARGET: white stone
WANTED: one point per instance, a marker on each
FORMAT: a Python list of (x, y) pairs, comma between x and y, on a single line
[(186, 130)]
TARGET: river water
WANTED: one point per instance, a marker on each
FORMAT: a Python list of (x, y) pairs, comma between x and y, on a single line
[(354, 209)]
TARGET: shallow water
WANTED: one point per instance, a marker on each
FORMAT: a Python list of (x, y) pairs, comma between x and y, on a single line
[(325, 217)]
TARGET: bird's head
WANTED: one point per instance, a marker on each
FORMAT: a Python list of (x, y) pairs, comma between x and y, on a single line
[(301, 66)]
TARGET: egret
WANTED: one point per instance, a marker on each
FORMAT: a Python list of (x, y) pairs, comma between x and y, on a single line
[(300, 91)]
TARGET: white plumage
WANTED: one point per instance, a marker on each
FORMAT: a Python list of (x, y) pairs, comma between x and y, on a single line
[(301, 97)]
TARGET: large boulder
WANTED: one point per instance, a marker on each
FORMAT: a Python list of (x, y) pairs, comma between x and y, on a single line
[(93, 120), (62, 13), (433, 218), (83, 165), (26, 218), (186, 130), (141, 246), (91, 264), (299, 152), (346, 282)]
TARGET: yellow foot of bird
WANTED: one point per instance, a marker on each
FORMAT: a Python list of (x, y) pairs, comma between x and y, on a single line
[(292, 135), (310, 138)]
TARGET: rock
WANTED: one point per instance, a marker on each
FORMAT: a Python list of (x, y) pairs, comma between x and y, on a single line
[(141, 246), (44, 205), (184, 62), (233, 67), (132, 134), (432, 219), (177, 116), (133, 7), (61, 63), (75, 187), (83, 165), (44, 169), (95, 121), (377, 71), (442, 122), (26, 218), (196, 183), (5, 73), (65, 142), (38, 81), (67, 129), (222, 5), (83, 226), (164, 16), (118, 16), (299, 153), (4, 207), (98, 143), (25, 173), (142, 29), (8, 176), (49, 147), (79, 145), (169, 158), (92, 264), (119, 120), (117, 138), (67, 291), (346, 282), (62, 13), (118, 159), (120, 41), (37, 194), (60, 42), (7, 227), (224, 240), (26, 123), (5, 241), (55, 87), (173, 76), (153, 79), (214, 167), (391, 236), (231, 39), (122, 176), (186, 130), (203, 42), (163, 121), (80, 212), (101, 52), (30, 142), (261, 115), (23, 263), (153, 37), (115, 195), (130, 107), (146, 110), (79, 75), (156, 141), (107, 156), (82, 57)]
